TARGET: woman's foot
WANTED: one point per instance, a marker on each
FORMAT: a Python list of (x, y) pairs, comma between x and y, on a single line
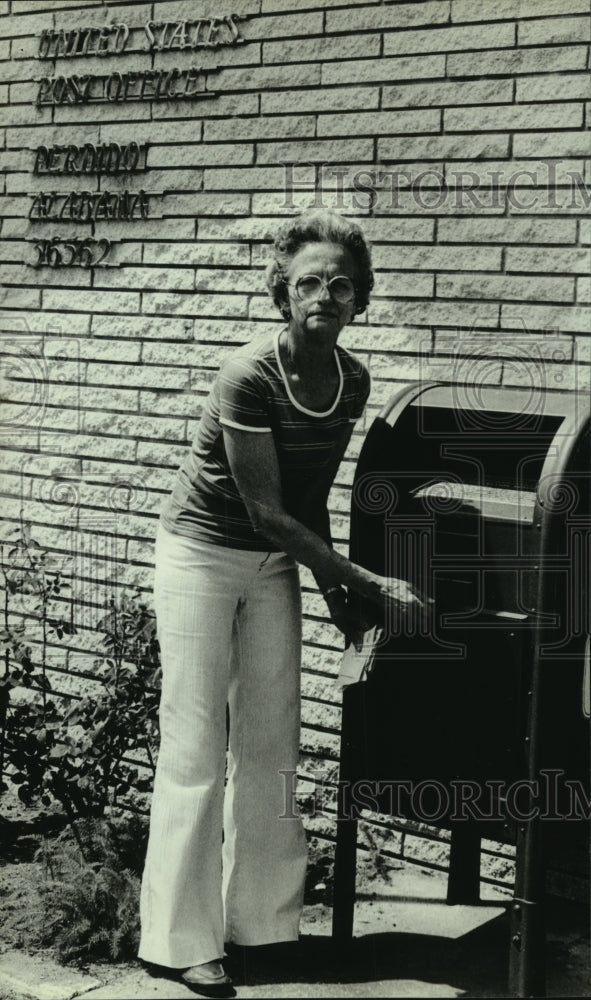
[(209, 980)]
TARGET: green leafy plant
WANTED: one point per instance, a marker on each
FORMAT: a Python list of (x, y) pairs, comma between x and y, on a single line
[(85, 905), (101, 733), (29, 715), (80, 756)]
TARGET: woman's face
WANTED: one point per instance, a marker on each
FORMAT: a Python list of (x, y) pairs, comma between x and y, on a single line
[(320, 313)]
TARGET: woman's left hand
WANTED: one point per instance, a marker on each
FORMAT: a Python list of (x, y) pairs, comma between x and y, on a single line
[(342, 618)]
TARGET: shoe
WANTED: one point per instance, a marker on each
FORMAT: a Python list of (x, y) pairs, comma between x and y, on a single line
[(208, 980)]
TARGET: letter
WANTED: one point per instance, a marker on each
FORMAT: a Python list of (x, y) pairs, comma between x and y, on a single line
[(394, 786), (511, 193), (121, 36), (102, 206), (113, 158), (94, 199), (288, 184), (71, 39), (70, 160), (196, 42), (48, 202), (72, 89), (88, 159), (365, 799), (96, 88), (417, 193), (85, 206), (130, 155), (465, 795), (368, 188), (144, 205), (80, 87), (35, 209), (61, 43), (41, 160), (578, 183), (396, 176), (550, 184), (318, 185), (443, 801), (340, 173), (235, 34), (100, 156), (474, 180), (45, 43), (119, 205), (113, 86), (160, 75), (496, 188), (103, 41), (179, 33), (193, 76), (171, 91), (318, 796), (345, 800), (290, 804), (85, 37), (66, 203), (512, 808), (549, 793), (54, 161), (147, 76), (162, 44), (580, 802), (60, 88), (131, 79), (45, 88), (150, 34), (210, 40), (494, 785)]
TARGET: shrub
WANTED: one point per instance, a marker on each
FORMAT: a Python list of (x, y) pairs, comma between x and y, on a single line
[(78, 755), (86, 904)]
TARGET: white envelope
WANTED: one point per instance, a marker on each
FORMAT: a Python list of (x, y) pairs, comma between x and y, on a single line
[(356, 663)]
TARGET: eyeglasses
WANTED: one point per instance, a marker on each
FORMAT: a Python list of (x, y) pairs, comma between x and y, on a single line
[(340, 288)]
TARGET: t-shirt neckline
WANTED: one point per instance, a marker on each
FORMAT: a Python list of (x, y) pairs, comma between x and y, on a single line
[(299, 406)]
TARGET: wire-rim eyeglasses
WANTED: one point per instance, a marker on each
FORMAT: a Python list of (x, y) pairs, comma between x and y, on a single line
[(340, 288)]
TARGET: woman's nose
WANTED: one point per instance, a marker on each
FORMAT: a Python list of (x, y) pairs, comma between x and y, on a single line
[(324, 291)]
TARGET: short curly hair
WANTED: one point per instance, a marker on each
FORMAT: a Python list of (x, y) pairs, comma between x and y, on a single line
[(319, 226)]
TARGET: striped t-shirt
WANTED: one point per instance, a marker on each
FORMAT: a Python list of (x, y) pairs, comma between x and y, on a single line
[(251, 392)]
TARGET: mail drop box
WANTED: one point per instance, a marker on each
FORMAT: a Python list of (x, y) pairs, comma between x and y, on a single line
[(477, 718)]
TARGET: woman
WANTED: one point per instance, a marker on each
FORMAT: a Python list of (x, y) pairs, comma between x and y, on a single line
[(249, 502)]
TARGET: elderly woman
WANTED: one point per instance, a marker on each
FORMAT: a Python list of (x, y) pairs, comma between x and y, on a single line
[(248, 504)]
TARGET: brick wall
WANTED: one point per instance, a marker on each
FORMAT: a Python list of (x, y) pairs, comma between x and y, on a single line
[(455, 131)]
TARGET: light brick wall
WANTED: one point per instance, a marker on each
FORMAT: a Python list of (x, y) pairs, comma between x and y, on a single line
[(454, 131)]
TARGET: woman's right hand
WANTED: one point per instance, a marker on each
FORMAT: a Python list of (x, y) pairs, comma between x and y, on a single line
[(398, 597)]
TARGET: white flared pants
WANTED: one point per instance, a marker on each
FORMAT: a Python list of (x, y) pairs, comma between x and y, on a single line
[(229, 627)]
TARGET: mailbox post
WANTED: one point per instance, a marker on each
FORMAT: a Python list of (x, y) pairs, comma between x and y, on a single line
[(485, 506)]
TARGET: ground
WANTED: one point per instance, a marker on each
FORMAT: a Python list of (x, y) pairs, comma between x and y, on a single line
[(408, 943)]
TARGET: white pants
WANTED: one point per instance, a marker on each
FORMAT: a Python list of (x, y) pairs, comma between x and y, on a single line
[(229, 627)]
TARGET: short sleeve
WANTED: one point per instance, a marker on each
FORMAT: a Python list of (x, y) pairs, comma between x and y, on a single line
[(363, 390), (243, 400)]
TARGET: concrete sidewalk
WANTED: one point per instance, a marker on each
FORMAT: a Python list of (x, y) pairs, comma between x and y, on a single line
[(408, 943)]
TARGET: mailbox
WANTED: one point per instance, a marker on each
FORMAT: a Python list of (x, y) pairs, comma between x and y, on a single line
[(477, 721)]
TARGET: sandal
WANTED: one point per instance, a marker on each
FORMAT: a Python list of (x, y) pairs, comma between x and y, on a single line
[(208, 980)]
